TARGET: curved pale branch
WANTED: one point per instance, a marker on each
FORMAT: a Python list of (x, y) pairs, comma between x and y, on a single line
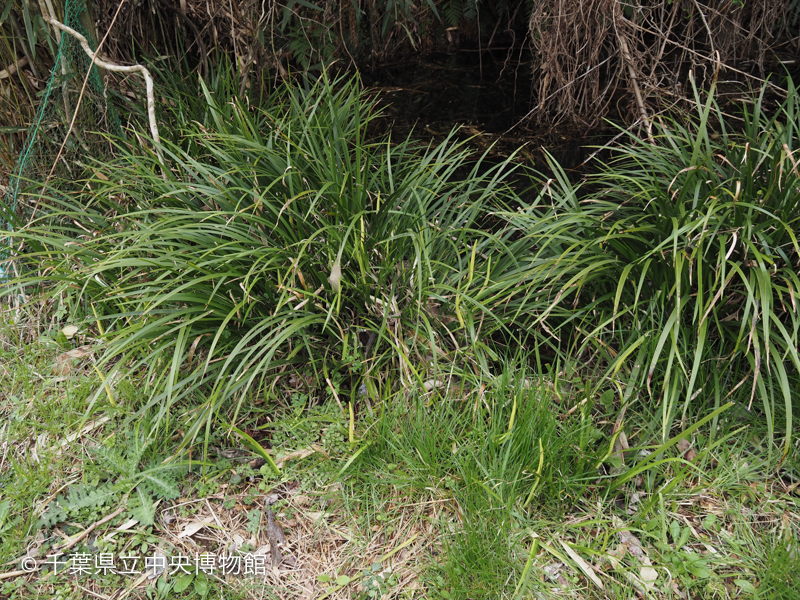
[(151, 105)]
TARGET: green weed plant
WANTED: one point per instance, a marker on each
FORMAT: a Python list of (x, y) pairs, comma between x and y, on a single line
[(275, 239), (287, 237)]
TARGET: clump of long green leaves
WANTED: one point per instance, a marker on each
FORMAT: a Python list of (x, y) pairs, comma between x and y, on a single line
[(274, 238), (680, 268)]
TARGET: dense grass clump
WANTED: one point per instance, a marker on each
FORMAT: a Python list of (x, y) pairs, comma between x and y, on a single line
[(517, 387), (283, 237), (691, 242), (286, 237)]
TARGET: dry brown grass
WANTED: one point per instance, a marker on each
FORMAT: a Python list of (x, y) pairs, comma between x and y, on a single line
[(590, 59), (597, 52)]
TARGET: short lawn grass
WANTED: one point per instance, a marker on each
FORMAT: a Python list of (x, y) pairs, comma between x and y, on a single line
[(507, 489)]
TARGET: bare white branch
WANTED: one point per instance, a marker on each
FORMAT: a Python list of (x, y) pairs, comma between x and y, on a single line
[(151, 104)]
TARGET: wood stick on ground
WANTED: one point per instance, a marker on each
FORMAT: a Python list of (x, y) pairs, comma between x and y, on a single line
[(70, 542)]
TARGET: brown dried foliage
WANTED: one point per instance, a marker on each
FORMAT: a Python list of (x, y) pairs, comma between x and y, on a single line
[(581, 48), (589, 57)]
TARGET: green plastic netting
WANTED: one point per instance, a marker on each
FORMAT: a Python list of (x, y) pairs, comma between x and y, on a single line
[(57, 106)]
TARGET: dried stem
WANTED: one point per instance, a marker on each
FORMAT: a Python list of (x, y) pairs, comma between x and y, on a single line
[(626, 56), (151, 104)]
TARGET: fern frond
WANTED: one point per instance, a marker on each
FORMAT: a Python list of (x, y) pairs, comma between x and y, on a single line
[(453, 12), (470, 10)]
